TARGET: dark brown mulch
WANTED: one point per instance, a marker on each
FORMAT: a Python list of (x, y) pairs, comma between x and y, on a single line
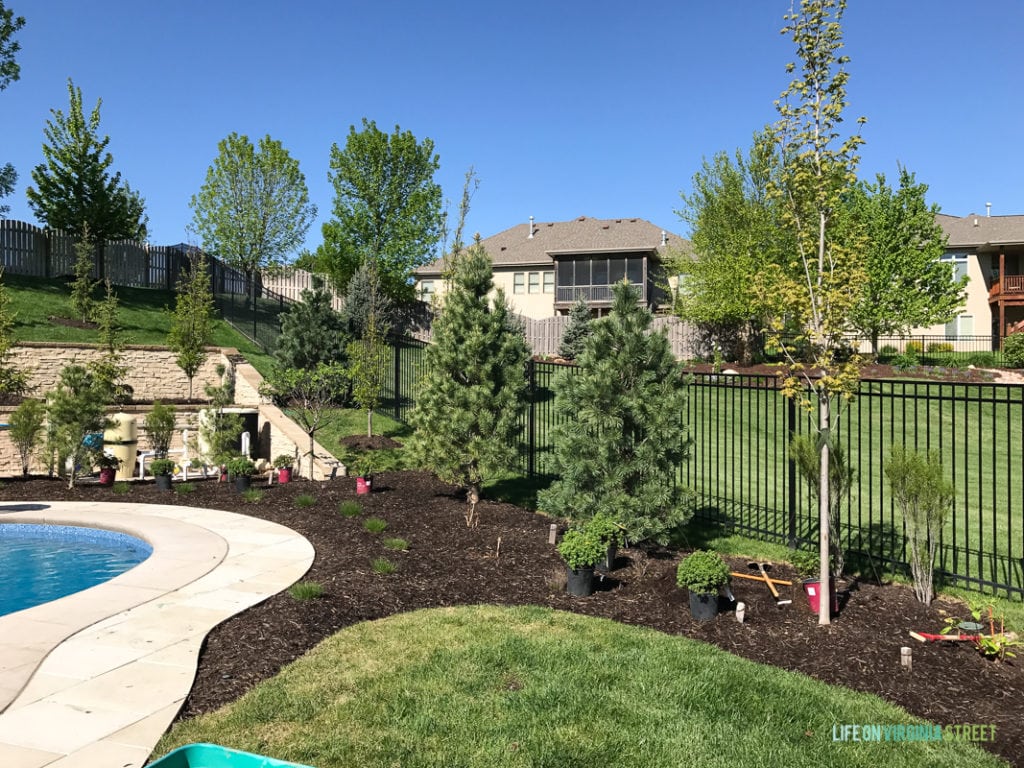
[(450, 564), (366, 443)]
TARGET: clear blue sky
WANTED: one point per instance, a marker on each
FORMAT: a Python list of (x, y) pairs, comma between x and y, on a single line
[(565, 108)]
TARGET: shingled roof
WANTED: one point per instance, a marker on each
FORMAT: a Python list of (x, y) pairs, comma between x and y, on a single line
[(982, 232), (514, 247)]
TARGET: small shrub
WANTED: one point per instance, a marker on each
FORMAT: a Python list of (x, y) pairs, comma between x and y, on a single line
[(240, 466), (983, 359), (952, 360), (185, 488), (702, 572), (581, 548), (252, 496), (915, 348), (1013, 350), (906, 361), (887, 352), (805, 562), (398, 544), (384, 566), (350, 509), (159, 424), (939, 348), (375, 525), (306, 590), (161, 467), (305, 500), (121, 488)]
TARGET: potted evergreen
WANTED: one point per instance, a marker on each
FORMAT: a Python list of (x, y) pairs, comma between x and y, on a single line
[(162, 470), (703, 573), (581, 549), (108, 467), (283, 464), (612, 536), (241, 468)]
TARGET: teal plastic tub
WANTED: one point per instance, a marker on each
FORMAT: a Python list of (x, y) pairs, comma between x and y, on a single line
[(215, 756)]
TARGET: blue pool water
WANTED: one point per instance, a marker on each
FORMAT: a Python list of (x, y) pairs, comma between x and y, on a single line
[(39, 563)]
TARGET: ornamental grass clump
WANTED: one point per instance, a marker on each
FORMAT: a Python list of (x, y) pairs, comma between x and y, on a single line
[(703, 572), (350, 508), (306, 590)]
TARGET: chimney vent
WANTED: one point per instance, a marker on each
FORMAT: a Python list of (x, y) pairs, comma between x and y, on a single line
[(664, 237), (975, 221), (530, 236), (988, 209)]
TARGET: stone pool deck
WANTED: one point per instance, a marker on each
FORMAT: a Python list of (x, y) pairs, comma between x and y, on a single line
[(92, 680)]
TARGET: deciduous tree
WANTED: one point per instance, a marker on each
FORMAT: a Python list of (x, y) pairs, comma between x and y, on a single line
[(10, 71), (253, 210), (818, 284), (74, 190), (473, 393), (907, 285), (387, 208), (621, 438), (191, 324)]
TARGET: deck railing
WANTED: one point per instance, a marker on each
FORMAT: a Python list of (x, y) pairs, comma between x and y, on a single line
[(592, 293)]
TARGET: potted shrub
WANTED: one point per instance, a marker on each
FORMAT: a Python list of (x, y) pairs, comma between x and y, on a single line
[(241, 468), (703, 573), (362, 465), (162, 470), (805, 563), (108, 467), (283, 465), (581, 550), (159, 424), (611, 534)]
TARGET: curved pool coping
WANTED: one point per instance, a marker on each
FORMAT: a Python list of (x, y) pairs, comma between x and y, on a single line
[(94, 678)]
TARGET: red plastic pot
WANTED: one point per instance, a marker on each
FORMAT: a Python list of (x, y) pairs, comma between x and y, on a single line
[(107, 476), (284, 476), (813, 589), (363, 485)]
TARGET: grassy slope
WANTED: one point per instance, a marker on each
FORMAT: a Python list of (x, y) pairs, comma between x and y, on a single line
[(535, 687)]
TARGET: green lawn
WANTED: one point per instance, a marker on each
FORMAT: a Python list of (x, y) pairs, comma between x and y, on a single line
[(491, 686)]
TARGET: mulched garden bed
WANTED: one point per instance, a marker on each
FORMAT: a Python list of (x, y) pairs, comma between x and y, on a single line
[(450, 564)]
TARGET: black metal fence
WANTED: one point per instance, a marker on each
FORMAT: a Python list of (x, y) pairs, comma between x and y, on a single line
[(742, 476)]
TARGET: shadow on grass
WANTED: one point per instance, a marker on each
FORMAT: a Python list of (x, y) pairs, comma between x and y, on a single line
[(521, 491)]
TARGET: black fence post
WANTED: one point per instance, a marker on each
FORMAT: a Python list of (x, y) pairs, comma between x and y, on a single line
[(791, 469), (531, 443), (398, 379)]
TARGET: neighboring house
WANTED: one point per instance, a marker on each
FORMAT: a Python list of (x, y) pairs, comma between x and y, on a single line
[(990, 251), (545, 266)]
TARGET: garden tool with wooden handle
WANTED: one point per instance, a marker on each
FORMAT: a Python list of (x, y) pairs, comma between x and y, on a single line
[(770, 582)]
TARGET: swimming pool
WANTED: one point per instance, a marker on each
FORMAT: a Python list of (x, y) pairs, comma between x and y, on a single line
[(39, 563)]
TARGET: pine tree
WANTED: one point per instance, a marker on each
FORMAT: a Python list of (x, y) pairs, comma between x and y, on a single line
[(621, 438), (192, 321), (474, 390), (311, 331), (109, 371), (82, 302), (577, 331), (74, 410)]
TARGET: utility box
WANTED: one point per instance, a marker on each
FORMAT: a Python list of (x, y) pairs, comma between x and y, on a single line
[(121, 439)]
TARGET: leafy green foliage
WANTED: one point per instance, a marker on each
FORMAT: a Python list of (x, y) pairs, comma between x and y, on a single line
[(26, 429), (925, 498), (160, 467), (75, 409), (253, 209), (736, 236), (471, 398), (805, 450), (159, 424), (621, 438), (122, 488), (311, 393), (398, 544), (311, 331), (581, 548), (383, 566), (305, 500), (306, 590), (375, 525), (252, 496), (12, 380), (218, 429), (350, 508), (702, 572), (1013, 350), (240, 466), (365, 301), (74, 190), (10, 71), (191, 324), (387, 208), (906, 284), (577, 331), (185, 488), (83, 286), (110, 370)]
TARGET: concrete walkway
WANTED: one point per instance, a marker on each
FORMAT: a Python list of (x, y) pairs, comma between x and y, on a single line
[(92, 680)]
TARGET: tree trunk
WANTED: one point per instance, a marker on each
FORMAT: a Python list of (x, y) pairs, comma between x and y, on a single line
[(369, 422), (824, 518), (310, 475)]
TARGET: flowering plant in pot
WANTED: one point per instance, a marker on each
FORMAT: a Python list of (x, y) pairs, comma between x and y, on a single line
[(581, 549), (362, 466), (162, 470), (703, 573), (805, 562), (108, 467), (283, 464)]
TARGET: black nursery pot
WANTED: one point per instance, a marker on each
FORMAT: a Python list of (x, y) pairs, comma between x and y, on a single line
[(163, 482), (242, 483), (580, 582), (703, 605)]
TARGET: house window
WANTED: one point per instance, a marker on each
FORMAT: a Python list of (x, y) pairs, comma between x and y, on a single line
[(960, 326), (519, 282), (535, 282), (959, 262), (549, 282), (426, 288)]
